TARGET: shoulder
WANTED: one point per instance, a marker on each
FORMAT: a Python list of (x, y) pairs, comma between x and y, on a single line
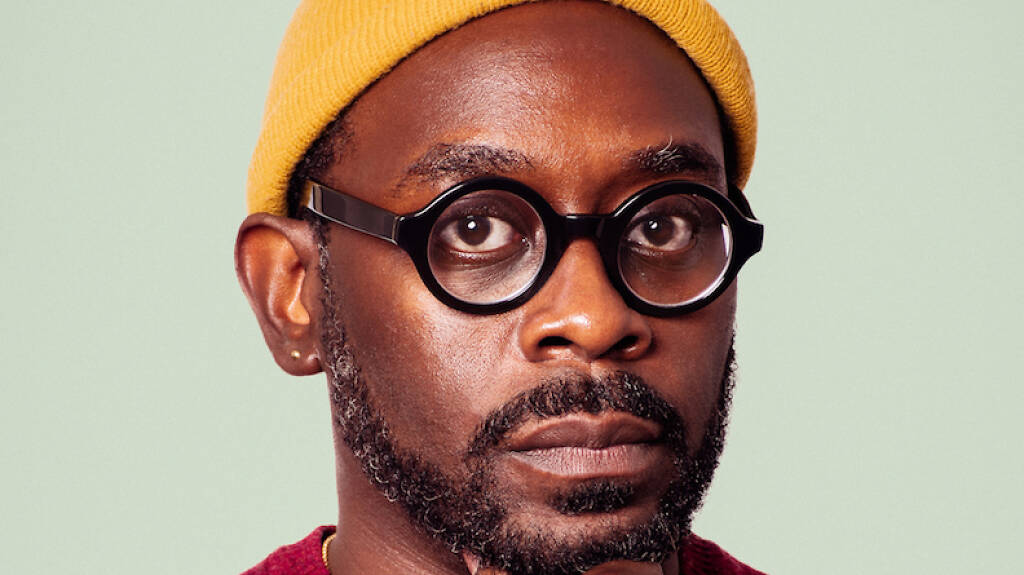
[(301, 558), (702, 557)]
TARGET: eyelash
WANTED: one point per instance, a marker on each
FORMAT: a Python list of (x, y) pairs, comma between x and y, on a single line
[(483, 208)]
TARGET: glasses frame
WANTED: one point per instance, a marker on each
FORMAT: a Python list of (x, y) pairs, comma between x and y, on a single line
[(411, 232)]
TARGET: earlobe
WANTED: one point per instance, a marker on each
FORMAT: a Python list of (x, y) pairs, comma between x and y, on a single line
[(276, 262)]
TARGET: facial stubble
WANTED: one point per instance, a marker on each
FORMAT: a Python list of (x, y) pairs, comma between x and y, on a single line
[(467, 513)]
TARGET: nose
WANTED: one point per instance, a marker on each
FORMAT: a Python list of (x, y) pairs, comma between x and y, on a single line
[(579, 315)]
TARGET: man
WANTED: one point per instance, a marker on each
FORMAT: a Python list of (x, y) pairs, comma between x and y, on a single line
[(508, 233)]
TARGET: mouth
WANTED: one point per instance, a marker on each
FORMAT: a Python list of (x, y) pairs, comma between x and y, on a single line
[(585, 446)]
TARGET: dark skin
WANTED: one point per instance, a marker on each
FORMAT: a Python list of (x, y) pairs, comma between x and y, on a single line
[(560, 97)]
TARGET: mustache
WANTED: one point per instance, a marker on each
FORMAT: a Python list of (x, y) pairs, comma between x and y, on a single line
[(620, 391)]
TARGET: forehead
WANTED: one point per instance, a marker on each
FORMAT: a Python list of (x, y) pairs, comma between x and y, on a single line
[(570, 88)]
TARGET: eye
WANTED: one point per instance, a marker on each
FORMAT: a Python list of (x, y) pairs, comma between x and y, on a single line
[(479, 234), (661, 233), (486, 246)]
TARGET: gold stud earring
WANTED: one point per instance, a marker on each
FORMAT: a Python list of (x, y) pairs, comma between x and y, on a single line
[(296, 354)]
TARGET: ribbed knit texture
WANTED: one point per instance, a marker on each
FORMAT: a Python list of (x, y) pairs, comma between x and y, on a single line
[(334, 49), (301, 558)]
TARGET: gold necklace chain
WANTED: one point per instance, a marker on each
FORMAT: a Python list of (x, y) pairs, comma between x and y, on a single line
[(323, 550)]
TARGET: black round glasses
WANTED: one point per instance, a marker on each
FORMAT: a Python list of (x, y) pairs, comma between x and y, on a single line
[(488, 245)]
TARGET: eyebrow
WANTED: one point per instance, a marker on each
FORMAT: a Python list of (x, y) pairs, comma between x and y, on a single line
[(673, 158), (466, 161), (462, 162)]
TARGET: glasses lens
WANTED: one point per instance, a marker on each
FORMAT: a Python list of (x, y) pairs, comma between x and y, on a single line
[(675, 250), (487, 247)]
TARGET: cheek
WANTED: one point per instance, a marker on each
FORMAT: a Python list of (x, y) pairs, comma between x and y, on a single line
[(688, 363), (428, 368)]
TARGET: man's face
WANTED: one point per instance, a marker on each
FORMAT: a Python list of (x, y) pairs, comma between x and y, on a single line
[(564, 98)]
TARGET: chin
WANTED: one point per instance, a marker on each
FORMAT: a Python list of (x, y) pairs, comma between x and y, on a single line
[(587, 526), (542, 538)]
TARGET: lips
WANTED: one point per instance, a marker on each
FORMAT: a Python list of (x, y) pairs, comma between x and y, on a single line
[(584, 430), (586, 446)]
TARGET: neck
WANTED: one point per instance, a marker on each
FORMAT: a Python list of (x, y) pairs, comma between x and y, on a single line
[(376, 536)]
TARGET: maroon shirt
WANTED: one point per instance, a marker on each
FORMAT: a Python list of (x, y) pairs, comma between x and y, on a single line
[(701, 557)]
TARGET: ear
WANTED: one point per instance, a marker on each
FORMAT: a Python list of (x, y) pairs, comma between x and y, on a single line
[(276, 259)]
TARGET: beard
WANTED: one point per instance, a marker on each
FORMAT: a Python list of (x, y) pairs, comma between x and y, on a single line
[(466, 511)]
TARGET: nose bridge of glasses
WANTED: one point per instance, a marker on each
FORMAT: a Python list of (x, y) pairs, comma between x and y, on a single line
[(583, 226), (588, 226)]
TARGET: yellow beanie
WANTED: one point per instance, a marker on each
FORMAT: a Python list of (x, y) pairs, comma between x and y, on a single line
[(334, 49)]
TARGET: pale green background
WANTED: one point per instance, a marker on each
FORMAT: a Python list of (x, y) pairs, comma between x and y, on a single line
[(146, 429)]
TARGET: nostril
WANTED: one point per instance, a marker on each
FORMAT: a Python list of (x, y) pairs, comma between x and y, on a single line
[(624, 345), (554, 341), (627, 343)]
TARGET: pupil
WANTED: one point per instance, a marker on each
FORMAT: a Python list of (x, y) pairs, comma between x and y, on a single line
[(659, 231), (474, 230)]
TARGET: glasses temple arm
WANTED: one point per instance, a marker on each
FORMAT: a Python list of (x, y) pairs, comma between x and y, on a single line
[(740, 201), (352, 212)]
